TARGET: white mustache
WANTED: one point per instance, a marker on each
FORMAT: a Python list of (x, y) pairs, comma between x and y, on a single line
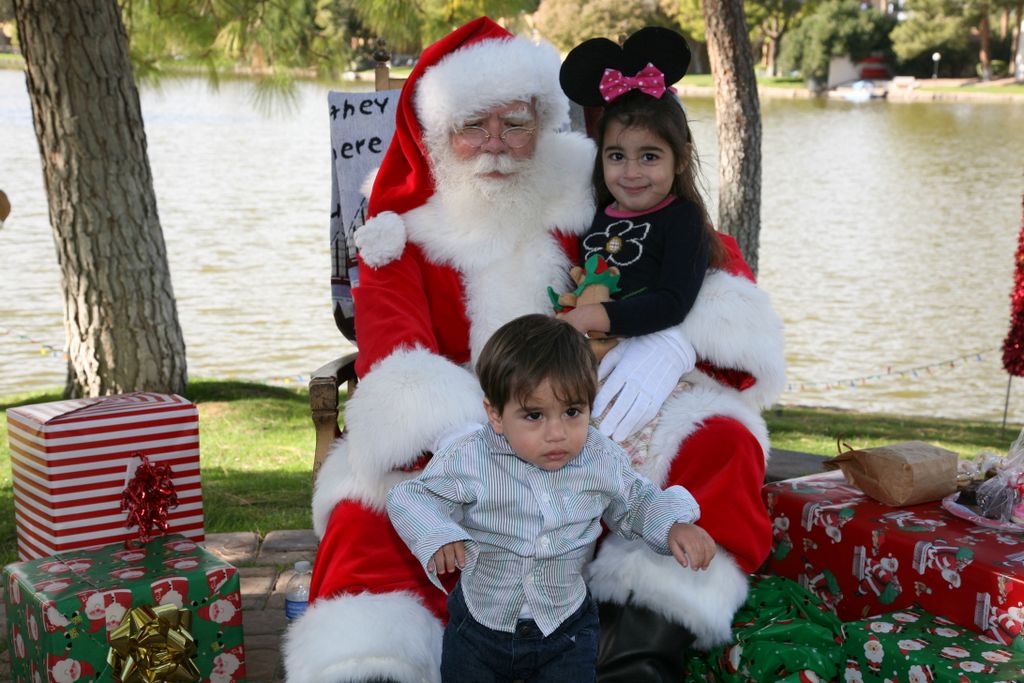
[(483, 164)]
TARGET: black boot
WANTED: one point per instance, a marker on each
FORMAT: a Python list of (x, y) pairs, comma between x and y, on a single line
[(640, 646)]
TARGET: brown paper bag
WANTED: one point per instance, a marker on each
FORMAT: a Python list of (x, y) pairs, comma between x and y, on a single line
[(905, 473)]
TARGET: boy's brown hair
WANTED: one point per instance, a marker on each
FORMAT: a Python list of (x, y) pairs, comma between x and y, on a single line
[(533, 348)]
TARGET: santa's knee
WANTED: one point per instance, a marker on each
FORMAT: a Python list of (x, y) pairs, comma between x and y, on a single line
[(639, 645), (363, 638)]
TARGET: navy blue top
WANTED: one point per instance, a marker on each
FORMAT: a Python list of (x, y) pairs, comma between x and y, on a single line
[(662, 255)]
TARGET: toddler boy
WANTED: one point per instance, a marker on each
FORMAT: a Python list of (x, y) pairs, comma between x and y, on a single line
[(529, 491)]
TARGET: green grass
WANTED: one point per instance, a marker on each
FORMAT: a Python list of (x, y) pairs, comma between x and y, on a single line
[(817, 430), (705, 81), (782, 82), (11, 61), (698, 81), (257, 450), (1011, 89)]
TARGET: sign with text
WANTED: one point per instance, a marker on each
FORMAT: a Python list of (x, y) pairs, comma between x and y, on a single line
[(362, 124)]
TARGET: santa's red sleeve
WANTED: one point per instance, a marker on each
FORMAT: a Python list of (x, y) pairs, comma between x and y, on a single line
[(723, 466), (414, 383)]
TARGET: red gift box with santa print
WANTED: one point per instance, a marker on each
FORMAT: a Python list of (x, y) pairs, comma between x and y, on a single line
[(61, 609), (864, 558), (71, 461)]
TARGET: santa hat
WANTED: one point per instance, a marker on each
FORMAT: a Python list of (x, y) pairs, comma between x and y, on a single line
[(215, 578), (471, 70)]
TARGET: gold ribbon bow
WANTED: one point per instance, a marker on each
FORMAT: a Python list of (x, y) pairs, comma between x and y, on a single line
[(154, 644)]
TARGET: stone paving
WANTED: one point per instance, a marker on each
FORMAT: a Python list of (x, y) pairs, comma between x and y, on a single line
[(264, 565)]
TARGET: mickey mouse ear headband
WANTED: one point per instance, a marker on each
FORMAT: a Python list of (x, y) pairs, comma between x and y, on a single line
[(597, 71)]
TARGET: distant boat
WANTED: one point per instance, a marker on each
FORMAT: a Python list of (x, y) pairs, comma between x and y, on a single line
[(860, 91)]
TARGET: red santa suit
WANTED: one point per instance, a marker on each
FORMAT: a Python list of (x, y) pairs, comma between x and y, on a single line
[(435, 282)]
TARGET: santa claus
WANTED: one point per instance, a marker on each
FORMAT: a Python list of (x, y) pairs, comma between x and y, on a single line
[(66, 669), (465, 234), (228, 666)]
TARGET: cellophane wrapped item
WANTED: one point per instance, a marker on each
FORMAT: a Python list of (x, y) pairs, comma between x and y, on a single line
[(1002, 496)]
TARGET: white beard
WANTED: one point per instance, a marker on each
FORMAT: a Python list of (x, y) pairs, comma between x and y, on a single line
[(514, 205), (496, 233)]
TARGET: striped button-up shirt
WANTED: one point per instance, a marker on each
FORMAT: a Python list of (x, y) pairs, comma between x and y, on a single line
[(529, 531)]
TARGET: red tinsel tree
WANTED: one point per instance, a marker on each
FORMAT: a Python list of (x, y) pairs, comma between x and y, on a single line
[(1013, 345)]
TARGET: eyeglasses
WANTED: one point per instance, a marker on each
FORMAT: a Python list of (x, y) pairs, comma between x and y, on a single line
[(475, 136)]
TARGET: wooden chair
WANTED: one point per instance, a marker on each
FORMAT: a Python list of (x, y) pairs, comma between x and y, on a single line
[(327, 380)]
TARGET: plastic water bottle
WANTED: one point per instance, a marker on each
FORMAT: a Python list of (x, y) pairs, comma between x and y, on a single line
[(296, 593)]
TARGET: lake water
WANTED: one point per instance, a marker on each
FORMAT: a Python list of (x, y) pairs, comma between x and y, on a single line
[(887, 243)]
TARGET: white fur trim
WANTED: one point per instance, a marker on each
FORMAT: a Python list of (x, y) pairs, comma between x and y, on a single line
[(733, 325), (358, 637), (568, 159), (487, 74), (403, 404), (382, 239), (702, 601), (337, 480), (684, 413), (366, 187)]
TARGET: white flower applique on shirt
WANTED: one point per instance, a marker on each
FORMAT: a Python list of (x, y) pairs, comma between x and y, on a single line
[(621, 240)]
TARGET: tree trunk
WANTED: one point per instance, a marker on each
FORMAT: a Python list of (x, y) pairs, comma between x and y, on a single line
[(738, 117), (120, 316), (985, 54), (1015, 44)]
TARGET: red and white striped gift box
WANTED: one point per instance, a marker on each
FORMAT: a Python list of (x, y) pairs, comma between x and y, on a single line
[(71, 461)]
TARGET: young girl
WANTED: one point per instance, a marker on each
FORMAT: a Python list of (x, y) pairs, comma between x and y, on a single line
[(651, 220)]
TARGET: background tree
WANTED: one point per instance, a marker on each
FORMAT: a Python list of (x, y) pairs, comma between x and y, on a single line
[(409, 25), (120, 315), (738, 120), (688, 16), (770, 20), (983, 8), (567, 23), (836, 28), (265, 36), (933, 26), (953, 28)]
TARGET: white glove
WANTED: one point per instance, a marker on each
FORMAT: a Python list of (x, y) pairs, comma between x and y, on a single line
[(641, 373), (453, 434)]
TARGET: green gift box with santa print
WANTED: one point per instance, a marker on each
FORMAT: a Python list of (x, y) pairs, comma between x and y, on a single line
[(62, 609), (913, 645)]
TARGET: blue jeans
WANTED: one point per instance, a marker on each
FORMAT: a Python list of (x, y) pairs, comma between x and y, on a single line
[(473, 653)]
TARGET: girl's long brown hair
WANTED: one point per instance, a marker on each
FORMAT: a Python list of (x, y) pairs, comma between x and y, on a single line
[(665, 118)]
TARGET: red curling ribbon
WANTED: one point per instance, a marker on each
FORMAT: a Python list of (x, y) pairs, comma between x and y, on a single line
[(147, 498)]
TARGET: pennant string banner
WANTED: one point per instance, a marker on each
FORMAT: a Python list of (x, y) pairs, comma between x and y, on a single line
[(890, 373), (44, 349), (851, 382)]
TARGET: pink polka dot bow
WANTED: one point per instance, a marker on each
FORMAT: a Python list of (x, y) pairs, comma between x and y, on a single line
[(648, 80)]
